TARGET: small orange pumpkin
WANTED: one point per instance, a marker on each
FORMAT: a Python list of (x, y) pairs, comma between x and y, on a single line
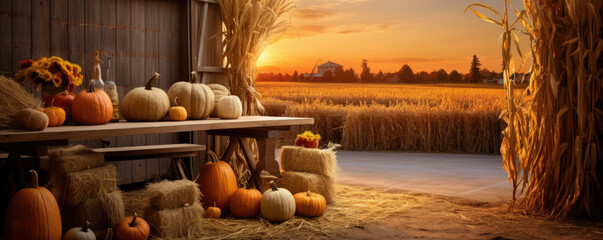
[(177, 113), (217, 182), (33, 213), (309, 204), (132, 228), (245, 202), (213, 212), (56, 115), (92, 106)]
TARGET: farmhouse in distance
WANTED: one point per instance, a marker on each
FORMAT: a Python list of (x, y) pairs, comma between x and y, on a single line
[(328, 66)]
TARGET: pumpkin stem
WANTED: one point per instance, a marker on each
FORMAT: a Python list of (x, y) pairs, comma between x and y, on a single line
[(91, 87), (176, 101), (152, 81), (273, 186), (214, 204), (34, 179), (133, 222), (213, 157), (193, 77), (86, 226), (52, 102), (308, 193)]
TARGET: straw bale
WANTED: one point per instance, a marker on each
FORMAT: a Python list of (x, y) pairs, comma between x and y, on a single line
[(173, 194), (104, 211), (297, 182), (64, 160), (14, 98), (89, 184), (318, 161), (185, 221)]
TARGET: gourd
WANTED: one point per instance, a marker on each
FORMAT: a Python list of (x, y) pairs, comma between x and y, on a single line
[(80, 233), (132, 228), (177, 113), (56, 115), (277, 204), (213, 212), (219, 92), (217, 182), (245, 202), (63, 99), (229, 107), (146, 104), (196, 98), (92, 106), (309, 204), (33, 214), (32, 119)]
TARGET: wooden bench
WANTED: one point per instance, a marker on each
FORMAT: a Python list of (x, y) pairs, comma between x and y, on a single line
[(113, 154), (173, 151)]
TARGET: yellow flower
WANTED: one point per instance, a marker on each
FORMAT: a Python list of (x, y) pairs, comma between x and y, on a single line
[(46, 75), (57, 80), (309, 136)]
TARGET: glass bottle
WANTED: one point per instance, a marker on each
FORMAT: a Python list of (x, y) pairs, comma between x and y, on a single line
[(111, 90), (96, 75)]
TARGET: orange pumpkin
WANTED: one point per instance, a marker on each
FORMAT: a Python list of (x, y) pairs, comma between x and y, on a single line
[(56, 115), (245, 203), (132, 228), (92, 106), (217, 182), (213, 212), (309, 204), (177, 113), (33, 213)]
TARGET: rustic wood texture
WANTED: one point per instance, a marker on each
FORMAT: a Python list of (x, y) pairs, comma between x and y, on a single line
[(140, 36), (164, 150)]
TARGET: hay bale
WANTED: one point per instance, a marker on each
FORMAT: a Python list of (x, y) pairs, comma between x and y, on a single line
[(297, 182), (318, 161), (90, 183), (179, 222), (173, 194), (104, 211), (62, 161)]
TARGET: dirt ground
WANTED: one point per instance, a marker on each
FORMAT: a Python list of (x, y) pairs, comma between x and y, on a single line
[(440, 217)]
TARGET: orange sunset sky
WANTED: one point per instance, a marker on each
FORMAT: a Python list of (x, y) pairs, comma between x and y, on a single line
[(425, 34)]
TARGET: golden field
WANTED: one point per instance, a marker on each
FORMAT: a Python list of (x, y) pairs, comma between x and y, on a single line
[(382, 117)]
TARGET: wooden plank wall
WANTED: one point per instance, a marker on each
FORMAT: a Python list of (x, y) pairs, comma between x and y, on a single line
[(140, 36)]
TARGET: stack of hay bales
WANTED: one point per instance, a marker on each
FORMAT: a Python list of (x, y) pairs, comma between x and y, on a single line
[(85, 188), (175, 210), (308, 169)]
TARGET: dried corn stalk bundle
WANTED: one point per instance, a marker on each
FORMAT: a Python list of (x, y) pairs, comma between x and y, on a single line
[(553, 146), (250, 25)]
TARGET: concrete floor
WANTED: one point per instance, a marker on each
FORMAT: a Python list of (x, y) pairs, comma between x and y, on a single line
[(471, 176)]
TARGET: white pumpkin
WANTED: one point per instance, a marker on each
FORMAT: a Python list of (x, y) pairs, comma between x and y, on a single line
[(196, 98), (229, 107), (80, 233), (277, 204), (219, 92), (146, 104)]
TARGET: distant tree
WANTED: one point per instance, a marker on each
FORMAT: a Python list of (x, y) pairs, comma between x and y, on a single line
[(380, 76), (328, 76), (339, 74), (350, 76), (287, 77), (422, 77), (295, 77), (455, 77), (366, 75), (442, 76), (405, 74), (475, 70), (279, 77), (433, 76)]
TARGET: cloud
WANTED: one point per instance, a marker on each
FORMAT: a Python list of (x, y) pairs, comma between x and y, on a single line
[(314, 13), (304, 31), (357, 28)]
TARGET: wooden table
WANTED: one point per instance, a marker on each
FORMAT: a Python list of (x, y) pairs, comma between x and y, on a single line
[(35, 143)]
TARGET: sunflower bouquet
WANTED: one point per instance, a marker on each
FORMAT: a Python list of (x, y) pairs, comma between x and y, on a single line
[(307, 139), (53, 70)]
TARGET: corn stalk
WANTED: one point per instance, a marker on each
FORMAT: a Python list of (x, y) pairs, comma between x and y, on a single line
[(250, 26), (552, 147)]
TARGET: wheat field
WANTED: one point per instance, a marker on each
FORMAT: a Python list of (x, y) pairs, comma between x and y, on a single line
[(384, 117)]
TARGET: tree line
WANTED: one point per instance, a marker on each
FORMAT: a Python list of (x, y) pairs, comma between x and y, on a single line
[(404, 75)]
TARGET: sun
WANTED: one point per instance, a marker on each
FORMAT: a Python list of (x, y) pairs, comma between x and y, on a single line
[(262, 59)]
